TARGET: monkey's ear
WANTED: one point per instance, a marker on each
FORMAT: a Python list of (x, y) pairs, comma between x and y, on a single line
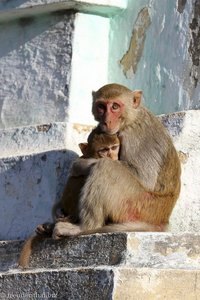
[(84, 148), (137, 96)]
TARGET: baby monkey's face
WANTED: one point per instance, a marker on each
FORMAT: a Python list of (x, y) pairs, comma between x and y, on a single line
[(111, 151), (105, 145), (100, 146)]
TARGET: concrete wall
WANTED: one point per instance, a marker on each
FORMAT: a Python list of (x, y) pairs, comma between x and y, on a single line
[(42, 41), (35, 68), (155, 48)]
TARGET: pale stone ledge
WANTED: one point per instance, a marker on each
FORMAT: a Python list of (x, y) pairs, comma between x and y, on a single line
[(11, 10)]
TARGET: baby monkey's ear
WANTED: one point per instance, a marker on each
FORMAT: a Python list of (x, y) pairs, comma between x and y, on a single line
[(84, 148)]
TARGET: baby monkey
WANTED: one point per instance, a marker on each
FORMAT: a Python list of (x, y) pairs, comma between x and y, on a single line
[(99, 145)]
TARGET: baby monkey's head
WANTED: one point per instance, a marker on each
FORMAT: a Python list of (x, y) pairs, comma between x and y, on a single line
[(100, 145)]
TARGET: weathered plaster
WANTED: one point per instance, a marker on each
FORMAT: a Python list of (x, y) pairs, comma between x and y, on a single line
[(163, 250), (194, 47), (33, 139), (185, 216), (130, 60), (35, 67), (181, 5), (29, 186), (166, 70), (148, 284)]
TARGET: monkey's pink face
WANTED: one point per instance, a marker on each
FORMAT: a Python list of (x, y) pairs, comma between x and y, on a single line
[(109, 114)]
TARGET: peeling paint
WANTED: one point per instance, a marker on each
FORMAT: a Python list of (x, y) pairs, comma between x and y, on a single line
[(44, 128), (131, 59), (181, 5), (82, 127), (173, 122), (194, 47), (183, 157)]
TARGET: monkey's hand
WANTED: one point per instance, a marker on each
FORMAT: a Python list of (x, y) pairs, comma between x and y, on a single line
[(82, 166)]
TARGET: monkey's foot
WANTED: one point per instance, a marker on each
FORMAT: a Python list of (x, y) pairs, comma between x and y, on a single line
[(45, 229), (62, 229)]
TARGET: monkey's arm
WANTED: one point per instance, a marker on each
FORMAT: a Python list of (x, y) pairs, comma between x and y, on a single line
[(82, 166)]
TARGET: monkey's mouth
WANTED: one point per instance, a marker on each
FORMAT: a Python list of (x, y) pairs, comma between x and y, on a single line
[(107, 129)]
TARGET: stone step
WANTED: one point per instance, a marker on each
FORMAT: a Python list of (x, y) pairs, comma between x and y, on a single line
[(134, 250), (83, 283), (35, 139), (103, 283), (31, 139), (93, 250), (118, 266), (156, 284), (34, 165)]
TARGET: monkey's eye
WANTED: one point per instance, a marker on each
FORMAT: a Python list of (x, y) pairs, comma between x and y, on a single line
[(101, 108), (103, 151), (114, 147), (115, 106)]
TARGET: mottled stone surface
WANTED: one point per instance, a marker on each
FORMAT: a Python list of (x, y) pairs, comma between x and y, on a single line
[(84, 284), (105, 266), (186, 137), (35, 69), (80, 251), (148, 284), (163, 250), (173, 122), (33, 139), (29, 186), (194, 47), (137, 250), (84, 251), (9, 253)]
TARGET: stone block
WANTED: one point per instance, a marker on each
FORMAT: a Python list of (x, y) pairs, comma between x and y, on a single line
[(156, 284)]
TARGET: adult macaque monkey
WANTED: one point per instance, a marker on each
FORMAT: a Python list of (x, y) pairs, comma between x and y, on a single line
[(138, 192), (99, 145)]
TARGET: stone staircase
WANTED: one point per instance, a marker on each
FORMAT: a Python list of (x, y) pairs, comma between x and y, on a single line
[(38, 142), (105, 266)]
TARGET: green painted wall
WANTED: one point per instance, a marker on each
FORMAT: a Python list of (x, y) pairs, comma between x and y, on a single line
[(164, 58)]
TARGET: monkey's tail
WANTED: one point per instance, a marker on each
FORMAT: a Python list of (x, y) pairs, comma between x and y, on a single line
[(26, 251)]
